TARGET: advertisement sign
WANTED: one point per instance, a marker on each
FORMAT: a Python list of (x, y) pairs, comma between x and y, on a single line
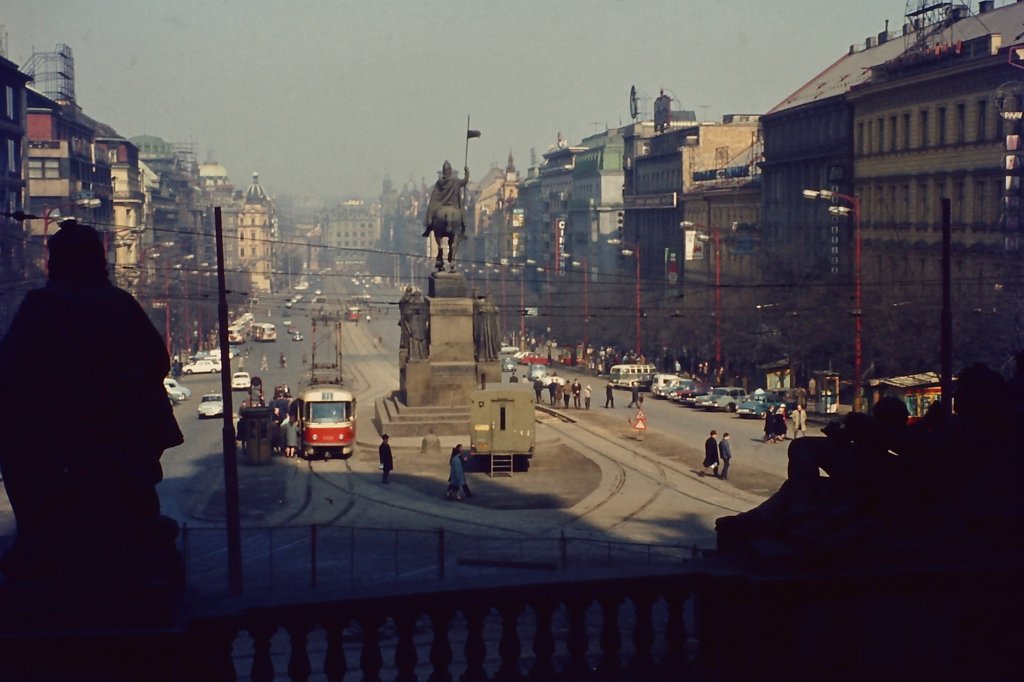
[(693, 246)]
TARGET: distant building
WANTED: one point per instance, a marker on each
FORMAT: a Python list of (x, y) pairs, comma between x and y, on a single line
[(13, 233), (256, 238)]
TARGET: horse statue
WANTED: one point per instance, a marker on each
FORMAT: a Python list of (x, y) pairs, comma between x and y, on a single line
[(447, 223), (445, 217)]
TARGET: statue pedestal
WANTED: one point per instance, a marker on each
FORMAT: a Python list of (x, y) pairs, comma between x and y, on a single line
[(447, 285)]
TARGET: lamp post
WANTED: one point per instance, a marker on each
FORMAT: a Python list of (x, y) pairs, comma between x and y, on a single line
[(854, 208), (716, 248), (630, 249)]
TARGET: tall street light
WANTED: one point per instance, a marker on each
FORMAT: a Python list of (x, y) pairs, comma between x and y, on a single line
[(716, 247), (854, 208), (629, 249)]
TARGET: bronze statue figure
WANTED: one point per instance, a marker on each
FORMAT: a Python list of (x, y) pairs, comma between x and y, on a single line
[(445, 217), (413, 311), (485, 329)]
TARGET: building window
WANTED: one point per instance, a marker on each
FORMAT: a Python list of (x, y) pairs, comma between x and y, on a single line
[(905, 203), (922, 212), (982, 120), (942, 126), (12, 161), (892, 133), (958, 202), (906, 131), (881, 135), (44, 169), (9, 102), (923, 122), (960, 124)]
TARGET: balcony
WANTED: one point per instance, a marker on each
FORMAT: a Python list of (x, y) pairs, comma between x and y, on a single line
[(707, 621)]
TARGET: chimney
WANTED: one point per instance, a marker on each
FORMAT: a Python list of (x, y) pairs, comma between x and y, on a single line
[(986, 6)]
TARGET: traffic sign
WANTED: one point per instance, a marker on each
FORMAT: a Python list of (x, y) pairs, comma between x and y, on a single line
[(640, 423)]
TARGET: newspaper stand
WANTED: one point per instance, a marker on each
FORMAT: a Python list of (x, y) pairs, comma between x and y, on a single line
[(254, 430)]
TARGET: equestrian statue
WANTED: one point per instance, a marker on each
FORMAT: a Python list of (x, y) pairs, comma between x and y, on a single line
[(445, 216)]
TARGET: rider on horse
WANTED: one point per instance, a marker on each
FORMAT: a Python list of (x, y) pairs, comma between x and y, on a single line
[(447, 192)]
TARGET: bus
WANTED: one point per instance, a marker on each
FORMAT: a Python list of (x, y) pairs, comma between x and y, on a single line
[(264, 332), (327, 421), (623, 376)]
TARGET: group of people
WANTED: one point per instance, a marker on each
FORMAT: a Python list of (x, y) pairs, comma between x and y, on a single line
[(777, 421), (560, 394), (717, 456)]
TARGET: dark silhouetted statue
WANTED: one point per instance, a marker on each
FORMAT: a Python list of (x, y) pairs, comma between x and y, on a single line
[(86, 419), (445, 216), (485, 329), (414, 322)]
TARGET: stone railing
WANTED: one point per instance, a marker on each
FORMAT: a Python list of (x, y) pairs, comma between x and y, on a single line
[(951, 622)]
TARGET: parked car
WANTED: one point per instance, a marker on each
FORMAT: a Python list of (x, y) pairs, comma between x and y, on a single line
[(663, 390), (203, 366), (508, 364), (177, 391), (296, 335), (240, 381), (722, 398), (688, 395), (756, 405), (211, 405)]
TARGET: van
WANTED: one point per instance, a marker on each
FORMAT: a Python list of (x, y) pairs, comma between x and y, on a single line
[(623, 376), (663, 381)]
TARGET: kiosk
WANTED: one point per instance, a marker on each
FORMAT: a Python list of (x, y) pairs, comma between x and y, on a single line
[(255, 433)]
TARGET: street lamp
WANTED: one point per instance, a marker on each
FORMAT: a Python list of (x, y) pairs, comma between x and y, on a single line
[(854, 208), (629, 249), (717, 249)]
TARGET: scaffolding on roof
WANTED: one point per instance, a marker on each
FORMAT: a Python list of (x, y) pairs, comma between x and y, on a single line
[(53, 73)]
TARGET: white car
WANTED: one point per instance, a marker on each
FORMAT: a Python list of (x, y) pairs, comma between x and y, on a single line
[(202, 366), (211, 405), (240, 381), (177, 391)]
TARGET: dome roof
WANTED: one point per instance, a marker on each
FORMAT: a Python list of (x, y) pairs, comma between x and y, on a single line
[(212, 170), (255, 193)]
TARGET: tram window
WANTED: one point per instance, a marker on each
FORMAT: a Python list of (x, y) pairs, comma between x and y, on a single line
[(502, 427), (327, 412)]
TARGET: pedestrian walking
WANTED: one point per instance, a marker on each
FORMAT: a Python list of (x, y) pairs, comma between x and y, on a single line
[(586, 396), (466, 493), (565, 391), (710, 455), (538, 388), (799, 422), (609, 394), (577, 391), (635, 388), (769, 424), (456, 474), (387, 462), (263, 364), (725, 452), (780, 429), (552, 391)]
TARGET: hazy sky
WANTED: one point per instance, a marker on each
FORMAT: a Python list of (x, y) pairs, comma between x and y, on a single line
[(330, 96)]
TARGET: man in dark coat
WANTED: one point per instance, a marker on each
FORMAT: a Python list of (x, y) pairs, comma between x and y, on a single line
[(387, 462), (447, 191), (83, 487), (710, 455), (725, 452)]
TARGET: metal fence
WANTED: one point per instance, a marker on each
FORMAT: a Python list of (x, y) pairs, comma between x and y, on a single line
[(326, 557)]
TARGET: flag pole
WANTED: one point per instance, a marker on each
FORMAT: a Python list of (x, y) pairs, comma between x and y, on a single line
[(465, 162)]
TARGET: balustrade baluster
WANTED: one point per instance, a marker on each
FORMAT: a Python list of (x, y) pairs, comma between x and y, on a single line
[(642, 665), (262, 664), (405, 650), (440, 648), (611, 638), (577, 640), (476, 647), (370, 659), (509, 646), (543, 640), (675, 659), (299, 667), (335, 664)]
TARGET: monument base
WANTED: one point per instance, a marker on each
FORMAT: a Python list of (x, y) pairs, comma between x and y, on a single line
[(447, 285)]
